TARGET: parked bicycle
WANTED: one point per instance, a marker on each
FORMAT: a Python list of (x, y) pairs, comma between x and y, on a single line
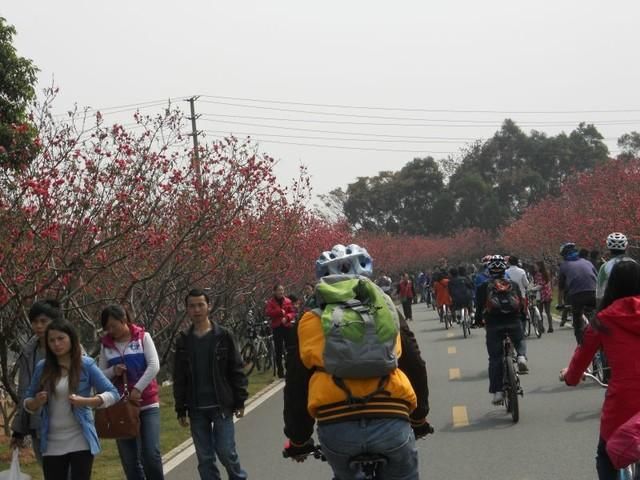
[(534, 317), (258, 351)]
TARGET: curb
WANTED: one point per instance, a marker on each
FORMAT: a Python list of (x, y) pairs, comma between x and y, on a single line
[(256, 400)]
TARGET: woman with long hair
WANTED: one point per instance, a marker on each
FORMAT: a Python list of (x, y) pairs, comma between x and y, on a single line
[(616, 329), (61, 393), (542, 279), (128, 357)]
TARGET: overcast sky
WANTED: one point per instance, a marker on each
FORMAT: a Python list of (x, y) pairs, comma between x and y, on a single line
[(441, 64)]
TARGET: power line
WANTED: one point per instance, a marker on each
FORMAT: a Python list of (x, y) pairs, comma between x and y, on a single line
[(124, 108), (330, 138), (377, 117), (340, 122), (430, 110)]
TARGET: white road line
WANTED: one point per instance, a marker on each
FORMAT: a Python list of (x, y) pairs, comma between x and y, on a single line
[(183, 451)]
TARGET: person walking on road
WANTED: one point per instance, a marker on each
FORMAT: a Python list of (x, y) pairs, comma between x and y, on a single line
[(40, 315), (406, 293), (281, 311), (209, 386), (61, 392), (128, 357)]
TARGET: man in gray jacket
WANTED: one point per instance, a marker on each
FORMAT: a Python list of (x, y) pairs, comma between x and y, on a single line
[(41, 314)]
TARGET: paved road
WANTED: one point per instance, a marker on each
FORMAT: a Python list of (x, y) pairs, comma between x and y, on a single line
[(555, 438)]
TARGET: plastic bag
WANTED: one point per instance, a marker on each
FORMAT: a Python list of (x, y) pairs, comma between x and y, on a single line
[(14, 471)]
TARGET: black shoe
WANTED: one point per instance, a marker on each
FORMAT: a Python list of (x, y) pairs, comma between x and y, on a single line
[(550, 330), (280, 374), (542, 330)]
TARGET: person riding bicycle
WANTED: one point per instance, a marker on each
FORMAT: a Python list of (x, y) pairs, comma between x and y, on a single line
[(461, 290), (354, 415), (441, 292), (617, 244), (578, 280), (615, 329), (501, 316)]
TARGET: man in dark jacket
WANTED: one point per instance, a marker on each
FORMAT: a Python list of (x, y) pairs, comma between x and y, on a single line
[(209, 386), (502, 314)]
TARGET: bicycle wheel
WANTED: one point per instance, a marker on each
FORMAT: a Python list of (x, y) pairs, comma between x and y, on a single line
[(527, 324), (248, 355), (511, 395), (261, 356), (537, 322)]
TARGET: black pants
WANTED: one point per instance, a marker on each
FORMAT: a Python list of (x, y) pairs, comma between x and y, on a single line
[(606, 470), (282, 339), (580, 302), (406, 308), (57, 467), (495, 335)]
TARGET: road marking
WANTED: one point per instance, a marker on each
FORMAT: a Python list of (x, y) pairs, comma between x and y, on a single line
[(450, 335), (454, 374), (183, 451), (452, 350), (460, 417)]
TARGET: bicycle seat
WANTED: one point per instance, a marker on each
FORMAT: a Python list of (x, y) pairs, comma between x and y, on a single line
[(365, 459)]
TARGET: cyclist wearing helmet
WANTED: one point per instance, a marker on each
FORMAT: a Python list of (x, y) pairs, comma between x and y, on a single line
[(578, 280), (499, 322), (386, 423), (617, 244), (479, 281)]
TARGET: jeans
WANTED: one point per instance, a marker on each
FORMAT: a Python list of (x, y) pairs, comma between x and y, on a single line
[(140, 457), (606, 470), (282, 338), (580, 302), (390, 437), (76, 465), (213, 433), (495, 335)]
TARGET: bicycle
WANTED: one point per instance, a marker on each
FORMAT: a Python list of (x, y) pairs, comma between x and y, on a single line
[(258, 352), (448, 317), (511, 379), (465, 321), (599, 365), (534, 318), (368, 464)]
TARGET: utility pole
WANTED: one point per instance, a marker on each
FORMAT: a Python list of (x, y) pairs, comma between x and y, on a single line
[(195, 159)]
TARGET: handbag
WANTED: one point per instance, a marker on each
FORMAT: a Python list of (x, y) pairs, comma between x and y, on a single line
[(121, 420)]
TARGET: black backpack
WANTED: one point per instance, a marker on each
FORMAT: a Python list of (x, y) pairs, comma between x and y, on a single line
[(503, 297)]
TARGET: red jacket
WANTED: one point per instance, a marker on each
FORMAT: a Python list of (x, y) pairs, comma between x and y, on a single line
[(281, 314), (621, 344), (405, 289)]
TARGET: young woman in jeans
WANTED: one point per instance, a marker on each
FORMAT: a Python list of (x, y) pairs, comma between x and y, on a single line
[(61, 393), (128, 353)]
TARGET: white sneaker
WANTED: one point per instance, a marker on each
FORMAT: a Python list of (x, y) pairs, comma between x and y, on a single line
[(522, 364), (498, 398)]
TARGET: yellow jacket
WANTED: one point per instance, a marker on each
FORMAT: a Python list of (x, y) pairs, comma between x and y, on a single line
[(327, 402)]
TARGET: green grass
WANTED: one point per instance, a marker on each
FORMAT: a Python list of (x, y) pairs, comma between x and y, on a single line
[(107, 464)]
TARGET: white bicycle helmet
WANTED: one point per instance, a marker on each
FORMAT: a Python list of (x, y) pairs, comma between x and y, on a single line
[(617, 241), (497, 265), (341, 260)]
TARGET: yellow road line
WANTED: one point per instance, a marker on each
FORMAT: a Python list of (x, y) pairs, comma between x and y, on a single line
[(460, 417), (450, 335), (452, 350), (454, 374)]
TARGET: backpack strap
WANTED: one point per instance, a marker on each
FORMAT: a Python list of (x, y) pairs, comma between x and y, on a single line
[(352, 400)]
